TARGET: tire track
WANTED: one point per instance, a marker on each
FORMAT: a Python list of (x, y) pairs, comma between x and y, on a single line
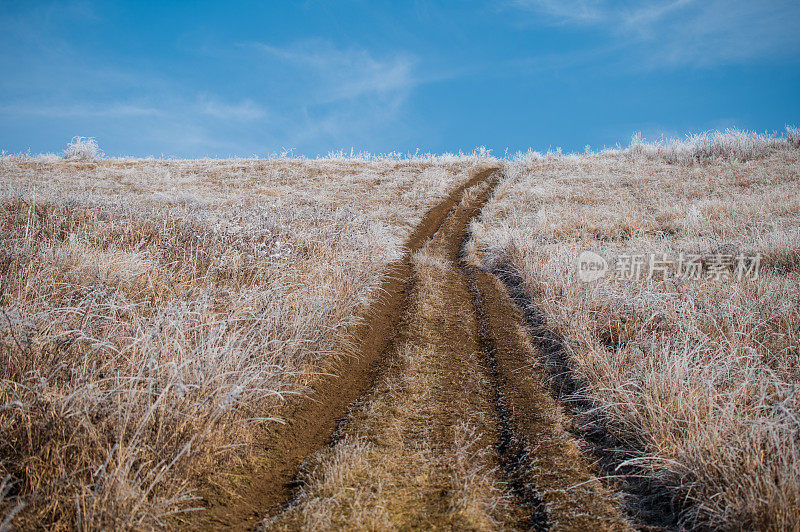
[(651, 504), (541, 457), (462, 358), (312, 419), (418, 452)]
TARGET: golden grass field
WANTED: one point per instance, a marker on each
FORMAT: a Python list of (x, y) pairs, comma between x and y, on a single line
[(155, 312), (156, 316), (698, 378)]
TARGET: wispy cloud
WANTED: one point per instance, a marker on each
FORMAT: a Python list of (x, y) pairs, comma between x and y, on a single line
[(313, 95), (344, 73), (243, 111), (567, 11), (71, 110), (308, 95), (335, 96), (686, 32)]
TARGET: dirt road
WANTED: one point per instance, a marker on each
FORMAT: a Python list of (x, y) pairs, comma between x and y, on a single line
[(442, 420)]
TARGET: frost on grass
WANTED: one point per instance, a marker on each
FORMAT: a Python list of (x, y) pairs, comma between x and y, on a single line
[(708, 146), (700, 376), (793, 136), (83, 148), (154, 313), (731, 144), (416, 453)]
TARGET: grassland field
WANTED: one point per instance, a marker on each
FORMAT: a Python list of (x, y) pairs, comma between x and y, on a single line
[(396, 342)]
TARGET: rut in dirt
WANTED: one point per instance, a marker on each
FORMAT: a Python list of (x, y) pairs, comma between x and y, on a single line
[(650, 503), (461, 432), (312, 419), (541, 457)]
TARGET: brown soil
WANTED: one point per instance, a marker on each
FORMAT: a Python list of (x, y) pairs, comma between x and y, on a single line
[(312, 419), (418, 473), (545, 468), (541, 455), (650, 503)]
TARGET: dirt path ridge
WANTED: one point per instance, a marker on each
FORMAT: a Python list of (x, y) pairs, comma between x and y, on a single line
[(444, 418), (312, 419)]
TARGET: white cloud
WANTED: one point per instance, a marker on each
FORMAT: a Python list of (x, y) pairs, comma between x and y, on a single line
[(243, 111), (311, 96), (69, 110), (344, 73), (566, 11), (333, 96), (686, 32)]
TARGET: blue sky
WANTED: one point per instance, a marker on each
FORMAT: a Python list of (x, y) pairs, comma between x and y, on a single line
[(253, 78)]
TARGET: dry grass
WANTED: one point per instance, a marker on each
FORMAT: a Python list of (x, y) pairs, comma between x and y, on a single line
[(731, 144), (701, 376), (153, 314)]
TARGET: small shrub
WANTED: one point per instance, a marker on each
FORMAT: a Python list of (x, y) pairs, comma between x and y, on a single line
[(83, 148)]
